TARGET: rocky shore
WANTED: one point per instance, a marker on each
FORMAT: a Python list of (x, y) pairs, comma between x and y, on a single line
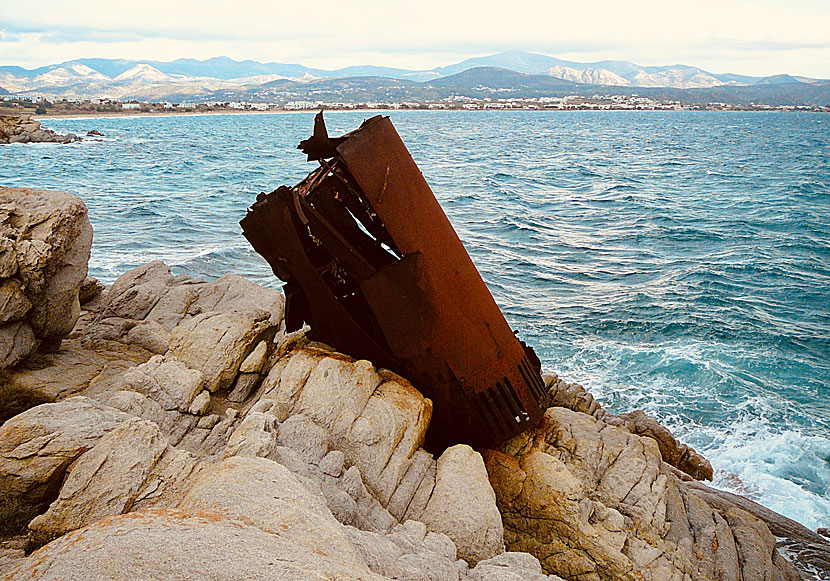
[(166, 427), (24, 129)]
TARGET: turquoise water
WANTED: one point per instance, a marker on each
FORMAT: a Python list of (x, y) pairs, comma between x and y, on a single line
[(677, 262)]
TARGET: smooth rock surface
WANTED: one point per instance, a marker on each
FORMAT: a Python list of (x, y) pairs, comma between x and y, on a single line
[(463, 505), (177, 545), (267, 495), (167, 381)]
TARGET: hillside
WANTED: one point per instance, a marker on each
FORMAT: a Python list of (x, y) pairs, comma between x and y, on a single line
[(513, 74)]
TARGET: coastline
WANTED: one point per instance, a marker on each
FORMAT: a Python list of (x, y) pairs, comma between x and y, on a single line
[(229, 122), (205, 403), (98, 115)]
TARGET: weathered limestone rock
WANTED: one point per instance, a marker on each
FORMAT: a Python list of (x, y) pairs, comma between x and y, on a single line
[(167, 381), (324, 442), (595, 502), (309, 440), (332, 463), (265, 494), (174, 544), (217, 343), (45, 239), (13, 302), (149, 335), (808, 549), (151, 294), (137, 291), (510, 567), (72, 370), (130, 322), (245, 385), (37, 446), (200, 404), (576, 398), (386, 434), (253, 363), (463, 505), (104, 481), (17, 341), (287, 377), (8, 257), (336, 393), (255, 436), (140, 406), (91, 289), (408, 552), (673, 452), (234, 293)]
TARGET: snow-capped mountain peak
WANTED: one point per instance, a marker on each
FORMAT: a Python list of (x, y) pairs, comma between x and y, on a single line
[(142, 73), (69, 75)]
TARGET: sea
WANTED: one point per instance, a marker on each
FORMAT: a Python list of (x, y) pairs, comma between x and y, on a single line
[(676, 262)]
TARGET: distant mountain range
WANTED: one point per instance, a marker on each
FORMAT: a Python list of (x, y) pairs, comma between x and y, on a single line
[(513, 73)]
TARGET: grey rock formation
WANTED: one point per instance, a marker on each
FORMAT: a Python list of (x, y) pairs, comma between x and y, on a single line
[(174, 544), (594, 502), (103, 482), (37, 446), (510, 567), (126, 325), (45, 239), (574, 397), (166, 380), (217, 343), (216, 447), (24, 129), (463, 505)]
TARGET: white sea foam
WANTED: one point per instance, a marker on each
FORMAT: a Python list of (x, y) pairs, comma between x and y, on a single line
[(783, 468), (786, 470)]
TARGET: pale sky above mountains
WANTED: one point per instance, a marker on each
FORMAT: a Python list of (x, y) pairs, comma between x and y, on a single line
[(757, 37)]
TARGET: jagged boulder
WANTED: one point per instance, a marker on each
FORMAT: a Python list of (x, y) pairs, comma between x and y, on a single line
[(45, 239), (218, 342), (595, 502), (576, 398), (37, 446), (111, 479), (24, 129), (463, 505)]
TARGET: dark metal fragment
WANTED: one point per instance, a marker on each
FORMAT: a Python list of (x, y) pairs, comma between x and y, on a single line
[(373, 266)]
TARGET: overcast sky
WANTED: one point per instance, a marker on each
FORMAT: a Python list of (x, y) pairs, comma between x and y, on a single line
[(759, 37)]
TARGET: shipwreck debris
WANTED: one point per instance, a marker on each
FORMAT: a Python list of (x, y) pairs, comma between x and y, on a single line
[(372, 264)]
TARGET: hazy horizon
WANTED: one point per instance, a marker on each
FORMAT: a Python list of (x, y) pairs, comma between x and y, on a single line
[(761, 38)]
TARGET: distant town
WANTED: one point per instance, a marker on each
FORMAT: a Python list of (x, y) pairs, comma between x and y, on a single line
[(51, 106)]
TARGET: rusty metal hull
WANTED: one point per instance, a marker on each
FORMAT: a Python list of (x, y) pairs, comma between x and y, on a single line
[(375, 268)]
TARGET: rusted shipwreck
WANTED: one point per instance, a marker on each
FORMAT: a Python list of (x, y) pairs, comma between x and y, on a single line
[(373, 266)]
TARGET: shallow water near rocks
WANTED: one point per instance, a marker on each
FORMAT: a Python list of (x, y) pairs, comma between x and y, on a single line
[(676, 262)]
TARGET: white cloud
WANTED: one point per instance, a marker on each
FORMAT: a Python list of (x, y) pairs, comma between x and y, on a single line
[(760, 37)]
